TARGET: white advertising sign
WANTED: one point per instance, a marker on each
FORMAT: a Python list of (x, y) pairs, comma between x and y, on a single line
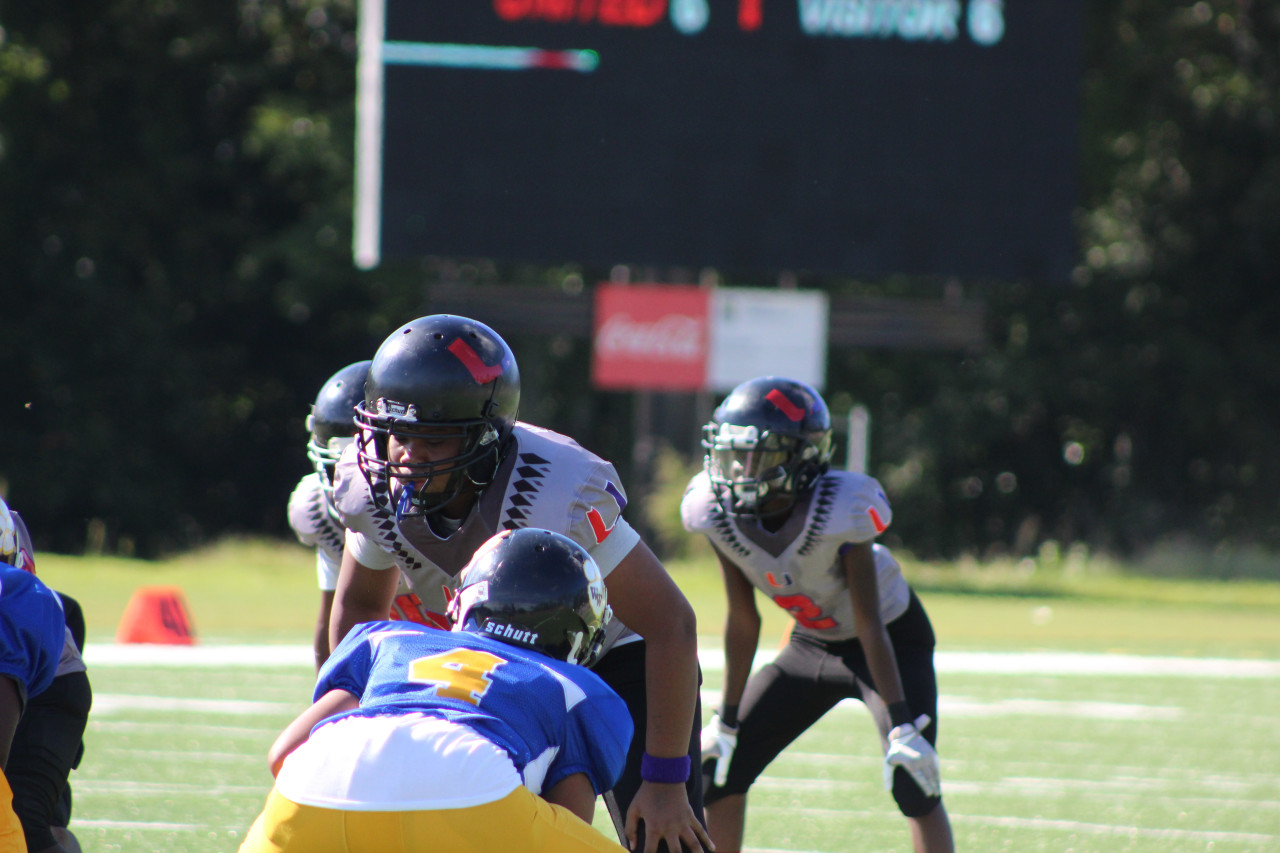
[(756, 332)]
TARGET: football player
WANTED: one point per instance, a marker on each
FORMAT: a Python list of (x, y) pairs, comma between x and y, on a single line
[(423, 739), (33, 633), (49, 739), (331, 427), (440, 465), (781, 521)]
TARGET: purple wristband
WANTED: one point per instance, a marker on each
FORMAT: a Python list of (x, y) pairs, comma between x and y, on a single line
[(667, 770)]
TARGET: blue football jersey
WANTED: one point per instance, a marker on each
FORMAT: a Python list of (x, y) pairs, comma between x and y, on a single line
[(32, 630), (553, 718)]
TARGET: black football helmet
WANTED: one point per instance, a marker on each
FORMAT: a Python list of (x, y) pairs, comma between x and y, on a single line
[(535, 589), (766, 444), (453, 375), (332, 422)]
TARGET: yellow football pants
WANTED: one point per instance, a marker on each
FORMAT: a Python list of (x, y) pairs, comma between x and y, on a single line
[(11, 838), (520, 821)]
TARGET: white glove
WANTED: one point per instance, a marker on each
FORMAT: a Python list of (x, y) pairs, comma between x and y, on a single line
[(718, 742), (909, 750)]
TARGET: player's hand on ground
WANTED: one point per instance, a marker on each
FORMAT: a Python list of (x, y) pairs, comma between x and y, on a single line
[(909, 750), (664, 810), (719, 742)]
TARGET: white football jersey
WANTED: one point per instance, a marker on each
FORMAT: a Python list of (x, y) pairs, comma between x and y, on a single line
[(547, 480), (799, 566), (317, 526)]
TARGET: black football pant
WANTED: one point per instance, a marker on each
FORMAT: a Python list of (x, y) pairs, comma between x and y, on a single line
[(622, 668)]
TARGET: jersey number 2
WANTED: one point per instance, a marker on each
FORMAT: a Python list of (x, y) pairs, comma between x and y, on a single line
[(805, 611), (460, 673)]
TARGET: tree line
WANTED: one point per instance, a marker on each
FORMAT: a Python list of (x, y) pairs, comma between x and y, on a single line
[(175, 222)]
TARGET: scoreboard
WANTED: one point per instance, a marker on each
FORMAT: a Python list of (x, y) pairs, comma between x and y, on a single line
[(858, 137)]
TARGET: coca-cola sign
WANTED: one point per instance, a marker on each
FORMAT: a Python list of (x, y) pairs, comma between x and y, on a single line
[(650, 336)]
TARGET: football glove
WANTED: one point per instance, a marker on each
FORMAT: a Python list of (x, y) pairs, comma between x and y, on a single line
[(718, 742), (909, 750)]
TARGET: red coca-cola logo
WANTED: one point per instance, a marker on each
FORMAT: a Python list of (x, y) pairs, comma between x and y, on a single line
[(650, 336), (671, 337)]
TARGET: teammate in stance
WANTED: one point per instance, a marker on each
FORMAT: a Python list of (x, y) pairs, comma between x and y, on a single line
[(422, 739), (782, 522), (33, 634), (332, 426), (440, 465), (48, 742)]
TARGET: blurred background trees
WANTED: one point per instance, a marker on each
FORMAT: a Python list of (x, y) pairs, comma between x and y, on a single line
[(175, 221)]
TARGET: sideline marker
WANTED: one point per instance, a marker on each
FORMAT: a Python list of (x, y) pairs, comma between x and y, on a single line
[(156, 614)]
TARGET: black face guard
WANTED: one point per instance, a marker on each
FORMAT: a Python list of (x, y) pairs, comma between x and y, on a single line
[(753, 473), (473, 467)]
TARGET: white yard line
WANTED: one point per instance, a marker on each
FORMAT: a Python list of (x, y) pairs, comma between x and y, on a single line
[(78, 824), (963, 706), (712, 660), (111, 703), (1207, 836)]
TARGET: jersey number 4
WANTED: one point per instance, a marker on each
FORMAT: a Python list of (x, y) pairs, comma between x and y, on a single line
[(805, 611), (458, 673)]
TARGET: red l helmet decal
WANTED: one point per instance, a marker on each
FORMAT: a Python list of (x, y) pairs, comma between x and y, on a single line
[(788, 408), (479, 371)]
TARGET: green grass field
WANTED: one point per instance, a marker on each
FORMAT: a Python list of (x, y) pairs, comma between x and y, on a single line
[(1164, 744)]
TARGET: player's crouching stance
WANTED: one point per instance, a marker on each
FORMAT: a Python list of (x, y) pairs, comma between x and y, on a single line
[(331, 427), (489, 737), (782, 522)]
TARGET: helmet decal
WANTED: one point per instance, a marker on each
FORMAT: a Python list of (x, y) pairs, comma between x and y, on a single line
[(595, 588), (521, 636), (788, 408), (481, 372), (404, 411)]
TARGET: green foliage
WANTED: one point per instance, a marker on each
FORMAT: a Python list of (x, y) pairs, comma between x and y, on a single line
[(661, 507), (177, 274), (174, 238), (1143, 400)]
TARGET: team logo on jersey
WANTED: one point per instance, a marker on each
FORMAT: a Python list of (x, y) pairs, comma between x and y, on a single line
[(480, 372), (596, 519), (598, 528), (780, 579), (876, 520), (616, 494)]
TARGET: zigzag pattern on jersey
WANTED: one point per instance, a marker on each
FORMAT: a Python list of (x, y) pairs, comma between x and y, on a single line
[(531, 471), (328, 530), (728, 536), (823, 503), (389, 534)]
